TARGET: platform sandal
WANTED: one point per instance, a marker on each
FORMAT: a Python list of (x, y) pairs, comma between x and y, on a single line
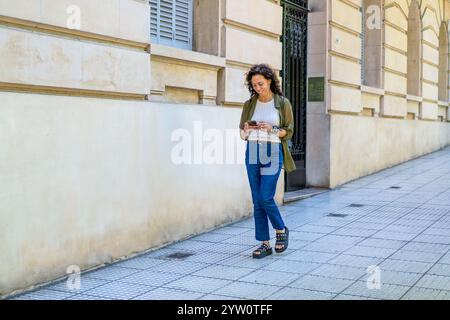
[(263, 251), (282, 240)]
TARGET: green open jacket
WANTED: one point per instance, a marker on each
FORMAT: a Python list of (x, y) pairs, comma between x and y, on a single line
[(284, 108)]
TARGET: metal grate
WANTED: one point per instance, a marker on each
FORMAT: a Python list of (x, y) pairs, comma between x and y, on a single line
[(295, 30), (337, 215), (179, 255)]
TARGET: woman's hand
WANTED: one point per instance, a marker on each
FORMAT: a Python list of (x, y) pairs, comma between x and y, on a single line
[(246, 127), (265, 126)]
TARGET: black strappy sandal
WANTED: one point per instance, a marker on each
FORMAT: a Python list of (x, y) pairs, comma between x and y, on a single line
[(283, 240), (263, 251)]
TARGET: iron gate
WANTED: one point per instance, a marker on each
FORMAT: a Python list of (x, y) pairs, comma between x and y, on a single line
[(294, 39)]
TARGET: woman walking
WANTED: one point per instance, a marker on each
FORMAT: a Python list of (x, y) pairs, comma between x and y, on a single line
[(266, 124)]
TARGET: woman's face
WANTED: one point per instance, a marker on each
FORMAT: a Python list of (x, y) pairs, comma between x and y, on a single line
[(261, 85)]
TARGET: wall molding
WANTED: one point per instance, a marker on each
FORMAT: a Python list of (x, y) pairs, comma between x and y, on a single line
[(187, 58), (395, 49), (350, 4), (344, 84), (396, 72), (411, 97), (344, 56), (430, 63), (238, 64), (30, 88), (395, 94), (392, 117), (344, 28), (340, 112), (372, 90), (436, 84), (431, 45), (232, 104), (430, 101), (396, 5), (396, 27), (246, 27), (71, 33)]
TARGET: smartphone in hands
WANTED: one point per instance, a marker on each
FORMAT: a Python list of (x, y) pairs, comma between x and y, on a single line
[(253, 124)]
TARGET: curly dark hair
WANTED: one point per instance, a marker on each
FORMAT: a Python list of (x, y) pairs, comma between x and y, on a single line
[(268, 73)]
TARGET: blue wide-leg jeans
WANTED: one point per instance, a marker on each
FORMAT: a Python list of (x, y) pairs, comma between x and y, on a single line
[(264, 162)]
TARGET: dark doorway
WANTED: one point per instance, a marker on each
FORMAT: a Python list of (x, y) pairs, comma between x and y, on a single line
[(294, 39)]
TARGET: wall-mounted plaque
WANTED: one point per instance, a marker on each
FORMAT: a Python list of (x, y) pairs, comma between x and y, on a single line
[(316, 89)]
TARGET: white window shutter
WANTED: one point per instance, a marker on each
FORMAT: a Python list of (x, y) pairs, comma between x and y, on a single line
[(182, 21), (363, 45), (166, 20), (154, 5), (171, 22)]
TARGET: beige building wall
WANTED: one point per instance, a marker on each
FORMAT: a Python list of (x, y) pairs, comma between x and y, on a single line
[(371, 127), (95, 118), (87, 181)]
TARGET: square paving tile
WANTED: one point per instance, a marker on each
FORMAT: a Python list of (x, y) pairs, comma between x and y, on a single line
[(231, 230), (84, 285), (43, 294), (297, 267), (309, 256), (330, 247), (227, 248), (429, 238), (405, 266), (318, 283), (426, 294), (139, 263), (247, 290), (197, 284), (434, 282), (440, 269), (355, 261), (181, 267), (312, 228), (109, 273), (399, 278), (119, 290), (416, 256), (370, 251), (224, 272), (246, 262), (385, 292), (426, 247), (300, 294), (270, 277), (346, 231), (151, 278), (339, 272), (382, 243), (87, 297), (169, 294), (393, 235)]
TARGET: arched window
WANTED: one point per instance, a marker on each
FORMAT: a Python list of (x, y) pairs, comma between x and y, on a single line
[(372, 43), (443, 62), (414, 50)]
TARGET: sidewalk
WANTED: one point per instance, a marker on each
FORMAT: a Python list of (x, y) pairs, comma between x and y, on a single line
[(393, 225)]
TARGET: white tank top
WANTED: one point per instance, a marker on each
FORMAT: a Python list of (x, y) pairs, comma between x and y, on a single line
[(265, 112)]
